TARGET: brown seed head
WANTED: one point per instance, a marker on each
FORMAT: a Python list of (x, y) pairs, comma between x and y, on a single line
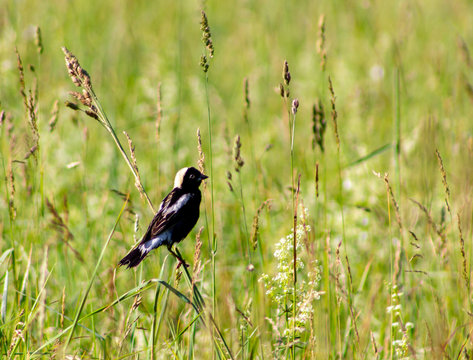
[(286, 74), (201, 160), (204, 63), (281, 90), (92, 114), (295, 106), (79, 76), (239, 162)]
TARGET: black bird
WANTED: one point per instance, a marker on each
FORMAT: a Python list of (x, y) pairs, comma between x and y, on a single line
[(177, 215)]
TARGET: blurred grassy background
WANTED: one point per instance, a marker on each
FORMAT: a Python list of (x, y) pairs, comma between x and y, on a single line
[(392, 64)]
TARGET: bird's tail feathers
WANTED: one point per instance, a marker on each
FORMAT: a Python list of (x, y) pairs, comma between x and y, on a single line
[(134, 257)]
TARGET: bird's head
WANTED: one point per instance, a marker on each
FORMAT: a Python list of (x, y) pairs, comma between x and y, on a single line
[(189, 178)]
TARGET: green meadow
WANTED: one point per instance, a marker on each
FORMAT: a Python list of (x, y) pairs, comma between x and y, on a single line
[(337, 220)]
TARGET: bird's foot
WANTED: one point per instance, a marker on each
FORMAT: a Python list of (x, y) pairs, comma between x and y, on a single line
[(181, 262)]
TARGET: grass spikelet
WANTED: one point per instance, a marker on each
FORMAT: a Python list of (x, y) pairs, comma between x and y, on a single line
[(32, 111), (465, 272), (11, 190), (239, 162), (38, 40), (54, 116), (338, 273), (247, 94), (204, 63), (295, 106), (206, 35), (334, 112), (197, 267), (78, 75), (416, 246), (319, 124), (30, 152), (438, 230), (136, 227), (135, 165), (317, 179), (71, 105), (444, 180), (286, 75), (229, 180), (201, 161), (177, 275), (320, 45), (255, 227), (19, 65), (396, 205)]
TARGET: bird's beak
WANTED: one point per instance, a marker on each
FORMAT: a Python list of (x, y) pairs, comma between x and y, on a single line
[(203, 177)]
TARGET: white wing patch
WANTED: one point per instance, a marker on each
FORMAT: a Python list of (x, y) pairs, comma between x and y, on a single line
[(156, 242), (165, 237), (179, 204)]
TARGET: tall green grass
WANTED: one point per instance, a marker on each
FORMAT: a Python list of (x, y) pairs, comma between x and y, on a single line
[(382, 247)]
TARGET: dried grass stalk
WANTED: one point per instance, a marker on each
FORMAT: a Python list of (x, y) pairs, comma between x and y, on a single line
[(255, 227), (239, 162), (444, 180), (465, 272), (54, 116), (334, 112)]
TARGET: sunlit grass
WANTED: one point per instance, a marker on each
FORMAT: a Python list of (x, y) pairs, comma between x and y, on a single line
[(386, 241)]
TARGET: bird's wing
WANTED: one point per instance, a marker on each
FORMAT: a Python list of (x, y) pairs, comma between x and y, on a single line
[(171, 211)]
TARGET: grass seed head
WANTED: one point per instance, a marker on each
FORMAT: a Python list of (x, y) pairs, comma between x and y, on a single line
[(239, 162), (319, 125), (38, 40), (206, 34), (286, 75), (247, 94), (295, 106), (79, 76), (71, 105), (54, 116), (201, 161), (204, 63)]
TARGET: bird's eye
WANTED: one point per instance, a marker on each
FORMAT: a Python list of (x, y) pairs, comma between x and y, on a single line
[(191, 176)]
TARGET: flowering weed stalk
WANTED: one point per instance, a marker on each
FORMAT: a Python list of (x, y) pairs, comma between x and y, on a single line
[(281, 288), (400, 331)]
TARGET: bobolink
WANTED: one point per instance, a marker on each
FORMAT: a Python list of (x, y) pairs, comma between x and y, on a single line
[(177, 215)]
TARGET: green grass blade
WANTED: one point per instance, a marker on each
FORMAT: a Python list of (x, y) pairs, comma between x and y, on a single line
[(4, 298), (5, 254), (372, 154)]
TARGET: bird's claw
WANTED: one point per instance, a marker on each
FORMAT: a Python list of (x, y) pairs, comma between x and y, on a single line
[(182, 262)]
